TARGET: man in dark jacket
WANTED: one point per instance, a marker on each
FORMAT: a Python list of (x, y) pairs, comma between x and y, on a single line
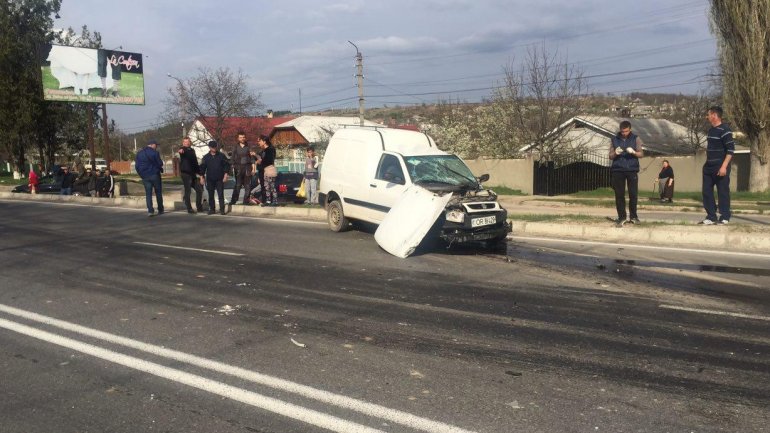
[(67, 180), (149, 166), (625, 151), (243, 167), (720, 149), (214, 168), (189, 168)]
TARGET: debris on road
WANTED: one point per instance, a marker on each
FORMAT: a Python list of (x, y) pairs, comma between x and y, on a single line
[(296, 343)]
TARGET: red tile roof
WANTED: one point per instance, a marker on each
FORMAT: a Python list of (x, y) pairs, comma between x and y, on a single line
[(252, 126)]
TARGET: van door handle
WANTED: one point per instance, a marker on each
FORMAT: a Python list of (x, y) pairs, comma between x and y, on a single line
[(373, 185)]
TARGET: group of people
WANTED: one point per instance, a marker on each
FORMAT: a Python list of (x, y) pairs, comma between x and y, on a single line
[(213, 170), (626, 149), (96, 183)]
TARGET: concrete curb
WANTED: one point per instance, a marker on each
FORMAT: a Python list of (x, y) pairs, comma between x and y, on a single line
[(732, 238)]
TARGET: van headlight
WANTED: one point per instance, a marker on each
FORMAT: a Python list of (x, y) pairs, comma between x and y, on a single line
[(455, 216)]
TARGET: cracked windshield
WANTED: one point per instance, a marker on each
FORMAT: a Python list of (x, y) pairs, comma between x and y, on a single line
[(440, 171)]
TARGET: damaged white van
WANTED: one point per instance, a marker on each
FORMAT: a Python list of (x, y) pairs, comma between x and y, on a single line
[(366, 172)]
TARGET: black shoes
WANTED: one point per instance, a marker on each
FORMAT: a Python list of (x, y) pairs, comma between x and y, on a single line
[(211, 212)]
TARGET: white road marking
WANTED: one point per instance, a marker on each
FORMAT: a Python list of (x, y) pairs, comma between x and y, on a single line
[(289, 410), (104, 206), (225, 253), (366, 408), (651, 247), (714, 312)]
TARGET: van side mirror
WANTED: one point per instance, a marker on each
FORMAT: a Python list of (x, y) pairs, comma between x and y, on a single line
[(483, 178)]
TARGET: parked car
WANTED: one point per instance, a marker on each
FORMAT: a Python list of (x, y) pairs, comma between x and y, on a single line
[(287, 184), (366, 172), (46, 186)]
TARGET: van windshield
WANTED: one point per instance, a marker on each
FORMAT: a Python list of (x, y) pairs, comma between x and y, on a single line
[(440, 172)]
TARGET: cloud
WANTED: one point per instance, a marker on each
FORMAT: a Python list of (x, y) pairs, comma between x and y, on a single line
[(348, 7)]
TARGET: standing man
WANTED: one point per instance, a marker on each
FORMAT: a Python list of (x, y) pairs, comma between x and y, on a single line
[(67, 180), (625, 151), (214, 168), (243, 166), (189, 168), (311, 177), (716, 170), (149, 166)]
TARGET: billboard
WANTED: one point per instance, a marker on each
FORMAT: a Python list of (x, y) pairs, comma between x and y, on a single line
[(78, 74)]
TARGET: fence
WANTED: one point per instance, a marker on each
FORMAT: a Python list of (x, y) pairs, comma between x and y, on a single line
[(585, 172)]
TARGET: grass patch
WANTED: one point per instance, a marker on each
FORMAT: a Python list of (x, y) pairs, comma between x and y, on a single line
[(504, 190), (131, 90), (7, 179)]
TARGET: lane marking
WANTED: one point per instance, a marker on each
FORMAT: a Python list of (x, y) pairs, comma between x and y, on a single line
[(224, 253), (651, 247), (270, 404), (366, 408), (714, 312)]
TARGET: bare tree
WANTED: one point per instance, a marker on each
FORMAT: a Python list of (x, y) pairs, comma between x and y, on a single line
[(694, 119), (216, 94), (741, 28), (537, 100)]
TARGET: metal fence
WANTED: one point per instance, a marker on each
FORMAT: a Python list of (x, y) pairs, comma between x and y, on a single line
[(584, 172)]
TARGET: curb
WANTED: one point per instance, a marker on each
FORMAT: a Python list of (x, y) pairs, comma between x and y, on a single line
[(723, 238)]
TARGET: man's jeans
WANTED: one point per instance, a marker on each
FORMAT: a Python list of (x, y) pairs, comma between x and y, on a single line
[(150, 183), (618, 180), (189, 182), (723, 193), (66, 191)]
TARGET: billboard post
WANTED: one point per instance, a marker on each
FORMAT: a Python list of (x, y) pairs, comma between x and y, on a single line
[(106, 150)]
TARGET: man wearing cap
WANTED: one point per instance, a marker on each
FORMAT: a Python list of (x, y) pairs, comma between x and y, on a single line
[(149, 166), (214, 168)]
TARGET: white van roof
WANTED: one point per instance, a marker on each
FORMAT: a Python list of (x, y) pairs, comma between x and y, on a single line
[(394, 140)]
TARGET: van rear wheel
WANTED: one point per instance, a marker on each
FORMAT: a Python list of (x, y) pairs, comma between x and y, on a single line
[(338, 222)]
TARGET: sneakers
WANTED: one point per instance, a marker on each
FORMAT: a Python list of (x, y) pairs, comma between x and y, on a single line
[(634, 221), (151, 214), (618, 222), (707, 222), (724, 222)]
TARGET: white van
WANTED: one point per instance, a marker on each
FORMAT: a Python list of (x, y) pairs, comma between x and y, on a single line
[(366, 170)]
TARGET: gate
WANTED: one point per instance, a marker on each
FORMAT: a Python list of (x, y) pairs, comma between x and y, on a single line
[(584, 172)]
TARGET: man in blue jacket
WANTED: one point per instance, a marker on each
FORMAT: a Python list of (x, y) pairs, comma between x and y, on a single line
[(149, 166), (625, 151)]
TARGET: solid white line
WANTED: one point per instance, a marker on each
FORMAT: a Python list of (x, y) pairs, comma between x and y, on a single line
[(289, 410), (714, 312), (225, 253), (370, 409), (104, 206), (651, 247)]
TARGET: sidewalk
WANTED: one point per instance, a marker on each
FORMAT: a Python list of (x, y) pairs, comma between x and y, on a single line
[(535, 217)]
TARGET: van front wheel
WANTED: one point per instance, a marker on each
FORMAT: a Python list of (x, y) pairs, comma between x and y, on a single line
[(336, 217)]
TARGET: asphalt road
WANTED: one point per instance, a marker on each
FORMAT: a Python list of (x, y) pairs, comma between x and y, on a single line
[(112, 321)]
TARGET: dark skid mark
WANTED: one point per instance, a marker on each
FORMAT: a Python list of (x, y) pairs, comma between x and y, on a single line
[(703, 268)]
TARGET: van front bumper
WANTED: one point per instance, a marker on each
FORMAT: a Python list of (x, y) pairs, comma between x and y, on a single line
[(464, 232)]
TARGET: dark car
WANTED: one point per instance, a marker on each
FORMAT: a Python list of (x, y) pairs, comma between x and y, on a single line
[(46, 185), (286, 184)]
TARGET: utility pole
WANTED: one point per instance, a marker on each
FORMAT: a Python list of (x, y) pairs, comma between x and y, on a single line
[(360, 76), (91, 150), (106, 150)]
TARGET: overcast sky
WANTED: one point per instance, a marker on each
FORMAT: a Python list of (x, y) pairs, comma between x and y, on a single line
[(414, 51)]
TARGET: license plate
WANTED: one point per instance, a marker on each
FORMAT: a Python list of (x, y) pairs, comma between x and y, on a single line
[(483, 221)]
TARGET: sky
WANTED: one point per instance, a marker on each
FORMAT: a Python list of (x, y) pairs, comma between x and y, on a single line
[(414, 52)]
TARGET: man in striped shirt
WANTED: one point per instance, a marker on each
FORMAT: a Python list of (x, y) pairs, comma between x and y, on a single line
[(716, 170)]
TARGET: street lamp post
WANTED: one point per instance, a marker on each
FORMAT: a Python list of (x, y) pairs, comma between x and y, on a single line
[(182, 97)]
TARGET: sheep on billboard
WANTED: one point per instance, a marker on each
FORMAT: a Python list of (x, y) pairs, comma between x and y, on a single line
[(76, 74)]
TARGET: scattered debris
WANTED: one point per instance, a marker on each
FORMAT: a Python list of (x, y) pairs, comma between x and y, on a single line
[(296, 343), (227, 310), (242, 284), (417, 374), (515, 404), (513, 373)]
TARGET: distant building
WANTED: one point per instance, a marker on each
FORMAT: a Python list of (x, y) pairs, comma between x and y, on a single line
[(311, 130)]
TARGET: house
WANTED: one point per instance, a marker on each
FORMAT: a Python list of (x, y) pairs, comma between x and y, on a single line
[(311, 130), (202, 129), (593, 134)]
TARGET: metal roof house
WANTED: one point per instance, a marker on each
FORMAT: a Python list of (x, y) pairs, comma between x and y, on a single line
[(310, 130)]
